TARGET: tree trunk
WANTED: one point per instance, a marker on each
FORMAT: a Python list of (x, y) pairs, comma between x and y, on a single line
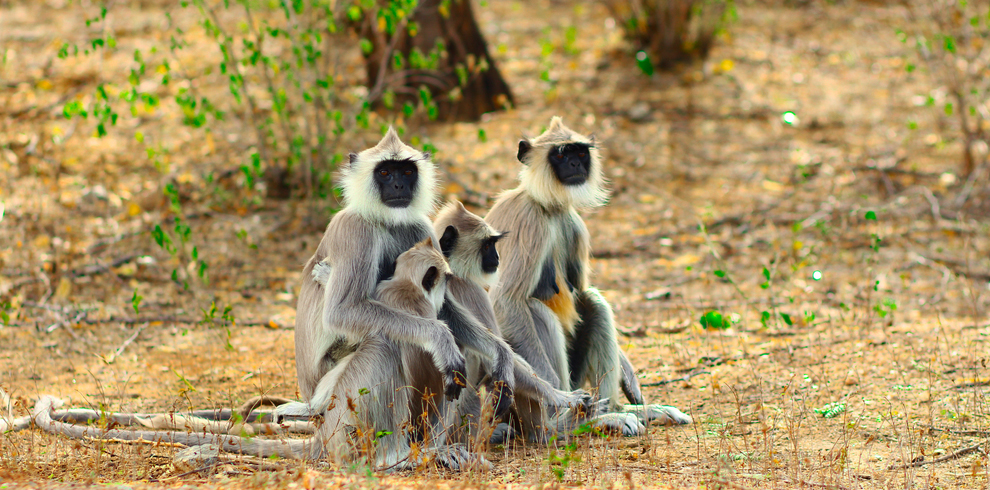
[(462, 78)]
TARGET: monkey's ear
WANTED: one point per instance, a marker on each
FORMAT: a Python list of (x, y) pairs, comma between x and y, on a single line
[(430, 278), (593, 138), (351, 158), (460, 205), (428, 241), (524, 147), (496, 238), (448, 241), (426, 155)]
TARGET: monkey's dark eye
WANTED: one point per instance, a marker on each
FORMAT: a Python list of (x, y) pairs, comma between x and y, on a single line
[(408, 172), (383, 173), (560, 156), (581, 155), (485, 247)]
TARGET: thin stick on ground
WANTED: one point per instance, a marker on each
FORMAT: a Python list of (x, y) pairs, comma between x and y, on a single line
[(956, 455)]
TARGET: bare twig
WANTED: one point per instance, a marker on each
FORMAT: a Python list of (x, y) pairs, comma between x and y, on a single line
[(120, 350), (686, 377), (959, 432), (949, 457)]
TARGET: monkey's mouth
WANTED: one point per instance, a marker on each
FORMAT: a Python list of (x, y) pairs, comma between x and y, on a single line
[(576, 179), (397, 202)]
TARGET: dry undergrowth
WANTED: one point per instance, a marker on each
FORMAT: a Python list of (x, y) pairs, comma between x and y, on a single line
[(895, 328)]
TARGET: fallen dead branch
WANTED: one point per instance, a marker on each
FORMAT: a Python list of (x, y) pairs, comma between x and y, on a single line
[(961, 432), (686, 377), (956, 455)]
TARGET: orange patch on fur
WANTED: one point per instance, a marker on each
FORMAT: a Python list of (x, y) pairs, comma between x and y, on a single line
[(562, 304)]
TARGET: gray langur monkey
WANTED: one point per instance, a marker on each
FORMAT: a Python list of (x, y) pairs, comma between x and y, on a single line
[(547, 310), (469, 244), (348, 341), (417, 287), (351, 347)]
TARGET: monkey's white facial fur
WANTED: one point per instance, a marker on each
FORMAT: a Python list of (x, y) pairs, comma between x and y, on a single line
[(539, 179), (361, 191)]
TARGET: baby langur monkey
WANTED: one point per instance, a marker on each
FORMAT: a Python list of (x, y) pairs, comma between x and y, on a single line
[(469, 244)]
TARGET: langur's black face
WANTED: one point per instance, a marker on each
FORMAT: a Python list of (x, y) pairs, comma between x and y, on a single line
[(489, 256), (571, 163), (396, 180)]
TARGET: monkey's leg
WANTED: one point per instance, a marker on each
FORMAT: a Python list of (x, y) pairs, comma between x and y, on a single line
[(367, 413), (434, 418), (536, 335), (594, 349), (595, 354)]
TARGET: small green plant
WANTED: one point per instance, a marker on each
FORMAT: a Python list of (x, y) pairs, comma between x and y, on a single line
[(559, 461), (227, 320), (714, 320), (831, 410), (885, 307), (136, 301), (5, 308)]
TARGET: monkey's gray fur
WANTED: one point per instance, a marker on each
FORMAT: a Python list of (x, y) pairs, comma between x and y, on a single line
[(346, 340), (466, 239), (544, 304), (352, 349)]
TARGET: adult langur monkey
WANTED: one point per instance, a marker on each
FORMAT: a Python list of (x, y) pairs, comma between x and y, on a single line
[(388, 193), (469, 244), (547, 310), (417, 288)]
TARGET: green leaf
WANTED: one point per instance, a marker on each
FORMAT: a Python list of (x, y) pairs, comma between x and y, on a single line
[(870, 215), (136, 301), (720, 273), (713, 320), (366, 46), (787, 319)]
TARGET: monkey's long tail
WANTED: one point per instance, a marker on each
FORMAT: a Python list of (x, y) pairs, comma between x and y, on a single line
[(290, 449)]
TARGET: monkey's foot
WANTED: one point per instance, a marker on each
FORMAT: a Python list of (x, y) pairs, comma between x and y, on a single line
[(627, 424), (455, 457), (502, 433), (293, 411), (659, 414)]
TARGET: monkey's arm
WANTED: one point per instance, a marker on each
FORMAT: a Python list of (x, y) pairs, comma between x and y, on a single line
[(473, 335)]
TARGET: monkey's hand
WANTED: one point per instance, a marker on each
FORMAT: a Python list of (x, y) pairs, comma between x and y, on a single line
[(502, 395), (454, 381), (580, 400), (449, 361), (321, 272)]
